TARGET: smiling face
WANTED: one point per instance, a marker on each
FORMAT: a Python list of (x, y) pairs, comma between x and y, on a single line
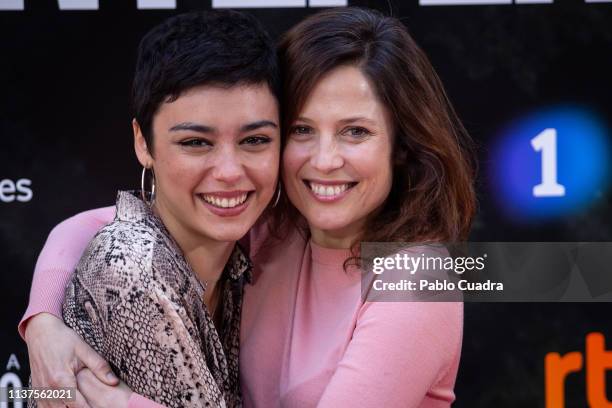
[(337, 160), (215, 158)]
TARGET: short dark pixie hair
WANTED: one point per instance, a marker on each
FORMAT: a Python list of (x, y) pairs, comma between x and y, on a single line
[(222, 47)]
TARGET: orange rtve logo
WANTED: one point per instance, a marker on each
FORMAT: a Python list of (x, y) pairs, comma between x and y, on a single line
[(598, 360)]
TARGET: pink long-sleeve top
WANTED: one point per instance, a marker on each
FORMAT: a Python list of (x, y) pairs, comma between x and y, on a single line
[(307, 338)]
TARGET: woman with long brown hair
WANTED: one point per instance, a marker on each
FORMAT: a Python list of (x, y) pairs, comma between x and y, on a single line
[(373, 151)]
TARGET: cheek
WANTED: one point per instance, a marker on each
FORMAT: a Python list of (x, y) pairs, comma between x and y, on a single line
[(294, 157), (373, 164), (178, 172), (384, 174), (263, 169)]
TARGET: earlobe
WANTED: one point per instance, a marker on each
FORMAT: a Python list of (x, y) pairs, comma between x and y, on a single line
[(140, 146)]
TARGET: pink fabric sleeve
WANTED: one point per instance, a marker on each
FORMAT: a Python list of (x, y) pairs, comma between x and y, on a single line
[(55, 265), (57, 260), (138, 401), (402, 354)]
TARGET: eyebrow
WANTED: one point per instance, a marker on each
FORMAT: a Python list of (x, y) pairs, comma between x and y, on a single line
[(357, 119), (249, 127), (193, 127), (343, 121)]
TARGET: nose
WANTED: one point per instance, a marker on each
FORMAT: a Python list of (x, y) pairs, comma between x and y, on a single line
[(325, 156), (228, 166)]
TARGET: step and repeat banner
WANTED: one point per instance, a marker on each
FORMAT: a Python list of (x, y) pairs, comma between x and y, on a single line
[(531, 79)]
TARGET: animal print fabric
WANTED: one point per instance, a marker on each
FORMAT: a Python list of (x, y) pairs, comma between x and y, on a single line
[(135, 300)]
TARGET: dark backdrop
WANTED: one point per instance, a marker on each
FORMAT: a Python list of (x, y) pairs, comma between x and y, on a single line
[(66, 146)]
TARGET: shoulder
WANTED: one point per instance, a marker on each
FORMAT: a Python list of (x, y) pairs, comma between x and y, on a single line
[(132, 239), (119, 255), (115, 268)]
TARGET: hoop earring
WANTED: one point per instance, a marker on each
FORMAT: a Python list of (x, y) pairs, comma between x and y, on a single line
[(143, 192), (278, 194)]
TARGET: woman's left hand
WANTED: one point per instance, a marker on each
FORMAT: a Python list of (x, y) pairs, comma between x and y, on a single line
[(100, 395)]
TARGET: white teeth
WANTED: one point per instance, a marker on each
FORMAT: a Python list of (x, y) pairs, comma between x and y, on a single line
[(328, 191), (225, 202)]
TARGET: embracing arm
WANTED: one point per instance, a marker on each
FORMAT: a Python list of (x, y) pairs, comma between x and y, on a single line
[(402, 354), (57, 366), (55, 352), (57, 261)]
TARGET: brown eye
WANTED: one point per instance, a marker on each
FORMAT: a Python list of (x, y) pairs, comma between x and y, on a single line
[(256, 140), (357, 132), (301, 130), (195, 143)]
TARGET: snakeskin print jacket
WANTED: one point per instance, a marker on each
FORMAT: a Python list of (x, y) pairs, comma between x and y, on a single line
[(136, 301)]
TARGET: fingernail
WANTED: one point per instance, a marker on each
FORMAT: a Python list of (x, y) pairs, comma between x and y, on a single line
[(111, 377)]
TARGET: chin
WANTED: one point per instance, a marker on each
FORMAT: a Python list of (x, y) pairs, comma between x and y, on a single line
[(327, 224), (233, 234), (226, 237), (227, 234)]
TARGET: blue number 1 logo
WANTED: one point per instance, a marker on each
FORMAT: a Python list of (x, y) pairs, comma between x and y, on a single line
[(537, 175), (546, 142)]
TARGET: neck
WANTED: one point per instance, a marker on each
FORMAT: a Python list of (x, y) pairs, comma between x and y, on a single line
[(207, 257), (208, 261)]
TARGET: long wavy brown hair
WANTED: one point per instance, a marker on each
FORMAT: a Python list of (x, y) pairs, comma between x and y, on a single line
[(432, 196)]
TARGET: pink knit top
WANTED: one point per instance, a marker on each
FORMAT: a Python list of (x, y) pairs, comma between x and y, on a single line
[(307, 339)]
